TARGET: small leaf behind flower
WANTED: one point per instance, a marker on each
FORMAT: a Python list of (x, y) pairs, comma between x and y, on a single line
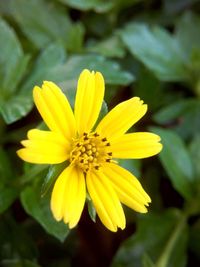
[(53, 172), (39, 209)]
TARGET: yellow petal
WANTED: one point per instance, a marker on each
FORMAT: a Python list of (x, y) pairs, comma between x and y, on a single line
[(68, 196), (105, 201), (121, 118), (44, 147), (89, 98), (136, 145), (57, 138), (32, 156), (55, 109), (128, 188)]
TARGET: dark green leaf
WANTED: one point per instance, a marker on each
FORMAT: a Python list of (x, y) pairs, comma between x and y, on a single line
[(110, 47), (39, 208), (13, 62), (174, 111), (184, 114), (134, 166), (70, 71), (49, 66), (91, 209), (16, 107), (7, 193), (103, 112), (76, 38), (51, 57), (19, 105), (147, 262), (53, 173), (149, 89), (6, 172), (159, 51), (7, 196), (187, 29), (42, 21), (176, 6), (98, 5), (176, 160), (195, 155), (151, 235), (31, 172)]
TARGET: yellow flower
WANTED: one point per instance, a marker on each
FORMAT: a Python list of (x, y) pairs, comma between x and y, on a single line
[(90, 150)]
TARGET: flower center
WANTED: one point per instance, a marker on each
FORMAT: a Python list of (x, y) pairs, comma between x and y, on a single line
[(90, 151)]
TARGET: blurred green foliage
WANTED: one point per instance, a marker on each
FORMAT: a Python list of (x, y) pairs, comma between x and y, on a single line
[(146, 48)]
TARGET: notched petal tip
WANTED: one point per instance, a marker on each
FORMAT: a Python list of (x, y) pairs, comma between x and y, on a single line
[(47, 82), (23, 154), (23, 142), (144, 210), (84, 72), (36, 89), (72, 224), (19, 153), (36, 93)]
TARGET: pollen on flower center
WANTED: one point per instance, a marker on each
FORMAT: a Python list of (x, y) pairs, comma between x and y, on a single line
[(90, 151)]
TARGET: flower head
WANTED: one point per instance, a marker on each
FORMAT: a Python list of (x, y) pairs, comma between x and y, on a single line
[(91, 151)]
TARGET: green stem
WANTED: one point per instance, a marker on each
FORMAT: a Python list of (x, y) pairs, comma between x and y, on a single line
[(165, 256)]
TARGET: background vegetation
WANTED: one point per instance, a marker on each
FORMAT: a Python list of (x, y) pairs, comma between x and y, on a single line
[(146, 48)]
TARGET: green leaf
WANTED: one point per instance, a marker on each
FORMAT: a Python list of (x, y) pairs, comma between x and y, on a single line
[(157, 50), (7, 196), (39, 208), (91, 209), (176, 160), (51, 57), (194, 149), (42, 22), (53, 173), (76, 38), (176, 110), (151, 235), (13, 62), (148, 88), (7, 193), (97, 5), (147, 262), (6, 172), (134, 166), (183, 114), (187, 29), (176, 6), (110, 47), (50, 66), (103, 112), (31, 172), (19, 105), (70, 71), (16, 107)]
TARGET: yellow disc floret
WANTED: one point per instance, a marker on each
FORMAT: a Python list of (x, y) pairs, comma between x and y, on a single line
[(90, 151)]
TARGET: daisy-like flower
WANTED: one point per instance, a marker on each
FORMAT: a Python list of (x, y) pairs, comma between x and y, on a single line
[(90, 150)]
